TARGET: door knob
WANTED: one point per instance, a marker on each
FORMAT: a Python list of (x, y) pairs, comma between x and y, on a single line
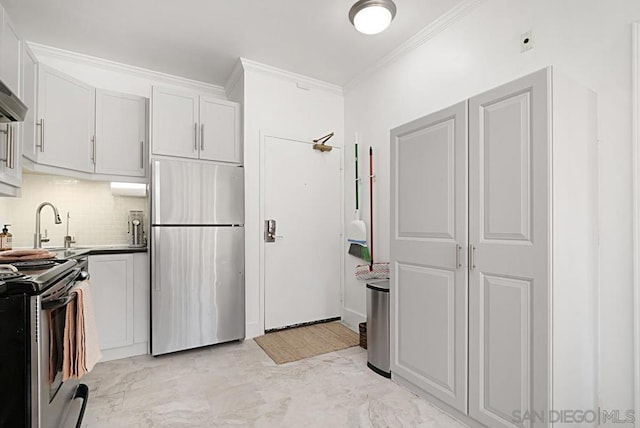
[(269, 231)]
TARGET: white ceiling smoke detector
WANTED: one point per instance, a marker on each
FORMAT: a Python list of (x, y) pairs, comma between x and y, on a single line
[(372, 16)]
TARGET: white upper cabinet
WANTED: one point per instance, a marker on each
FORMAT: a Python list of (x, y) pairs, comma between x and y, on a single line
[(74, 126), (10, 141), (10, 155), (219, 130), (197, 127), (175, 123), (10, 55), (29, 96), (66, 112), (121, 129)]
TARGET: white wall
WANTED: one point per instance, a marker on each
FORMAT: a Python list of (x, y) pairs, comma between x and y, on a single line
[(274, 103), (589, 40)]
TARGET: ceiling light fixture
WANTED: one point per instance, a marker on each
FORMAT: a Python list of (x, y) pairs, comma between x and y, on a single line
[(372, 16)]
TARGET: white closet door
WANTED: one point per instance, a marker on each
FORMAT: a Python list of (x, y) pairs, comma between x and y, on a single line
[(509, 267), (428, 242)]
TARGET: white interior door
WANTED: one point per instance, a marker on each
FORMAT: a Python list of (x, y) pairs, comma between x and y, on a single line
[(302, 267), (428, 235)]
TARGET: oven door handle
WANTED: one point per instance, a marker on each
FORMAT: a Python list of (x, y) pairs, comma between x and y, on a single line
[(57, 303), (82, 392)]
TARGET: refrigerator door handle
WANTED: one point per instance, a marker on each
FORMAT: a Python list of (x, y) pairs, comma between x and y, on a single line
[(155, 252), (155, 206)]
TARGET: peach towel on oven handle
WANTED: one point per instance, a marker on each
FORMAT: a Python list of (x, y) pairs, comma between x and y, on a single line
[(81, 349)]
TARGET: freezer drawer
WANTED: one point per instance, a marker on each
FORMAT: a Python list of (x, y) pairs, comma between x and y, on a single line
[(191, 193), (197, 287)]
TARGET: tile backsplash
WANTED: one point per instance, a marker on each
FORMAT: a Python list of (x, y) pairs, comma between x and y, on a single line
[(97, 217)]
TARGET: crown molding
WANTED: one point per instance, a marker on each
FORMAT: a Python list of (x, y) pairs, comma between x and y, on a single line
[(417, 40), (82, 59), (303, 81), (234, 78)]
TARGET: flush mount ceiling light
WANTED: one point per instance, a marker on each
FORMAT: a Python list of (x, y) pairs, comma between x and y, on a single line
[(372, 16)]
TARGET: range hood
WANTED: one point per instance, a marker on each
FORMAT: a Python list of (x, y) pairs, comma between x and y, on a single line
[(11, 108)]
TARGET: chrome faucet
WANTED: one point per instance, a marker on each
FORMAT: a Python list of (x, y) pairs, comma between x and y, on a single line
[(37, 238), (68, 239)]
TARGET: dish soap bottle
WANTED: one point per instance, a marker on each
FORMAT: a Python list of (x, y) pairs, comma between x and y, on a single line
[(5, 239)]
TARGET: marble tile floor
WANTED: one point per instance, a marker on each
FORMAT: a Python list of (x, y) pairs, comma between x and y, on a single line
[(238, 385)]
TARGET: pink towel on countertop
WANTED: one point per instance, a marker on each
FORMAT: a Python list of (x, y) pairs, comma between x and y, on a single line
[(81, 349)]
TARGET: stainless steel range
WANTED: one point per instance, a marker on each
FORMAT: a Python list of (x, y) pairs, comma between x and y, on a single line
[(33, 302)]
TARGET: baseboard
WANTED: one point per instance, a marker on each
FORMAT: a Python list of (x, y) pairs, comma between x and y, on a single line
[(454, 413), (253, 330), (352, 319), (302, 324), (125, 352)]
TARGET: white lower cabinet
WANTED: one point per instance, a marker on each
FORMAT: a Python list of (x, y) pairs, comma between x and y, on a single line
[(494, 254), (120, 292)]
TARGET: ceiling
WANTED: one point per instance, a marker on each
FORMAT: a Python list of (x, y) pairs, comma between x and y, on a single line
[(203, 39)]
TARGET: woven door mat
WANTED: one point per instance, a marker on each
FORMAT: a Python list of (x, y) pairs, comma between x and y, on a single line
[(294, 344)]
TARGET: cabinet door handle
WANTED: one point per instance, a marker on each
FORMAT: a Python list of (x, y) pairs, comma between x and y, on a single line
[(7, 149), (41, 125), (13, 148), (94, 156), (12, 142), (141, 154), (472, 256), (458, 261), (195, 137), (202, 137)]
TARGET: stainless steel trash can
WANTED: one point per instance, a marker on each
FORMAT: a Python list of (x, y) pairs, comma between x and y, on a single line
[(378, 327)]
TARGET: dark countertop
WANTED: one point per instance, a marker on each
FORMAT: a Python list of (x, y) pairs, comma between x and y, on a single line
[(116, 249), (75, 252)]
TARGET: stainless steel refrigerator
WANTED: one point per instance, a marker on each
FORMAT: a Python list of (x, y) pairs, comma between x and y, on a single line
[(197, 255)]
